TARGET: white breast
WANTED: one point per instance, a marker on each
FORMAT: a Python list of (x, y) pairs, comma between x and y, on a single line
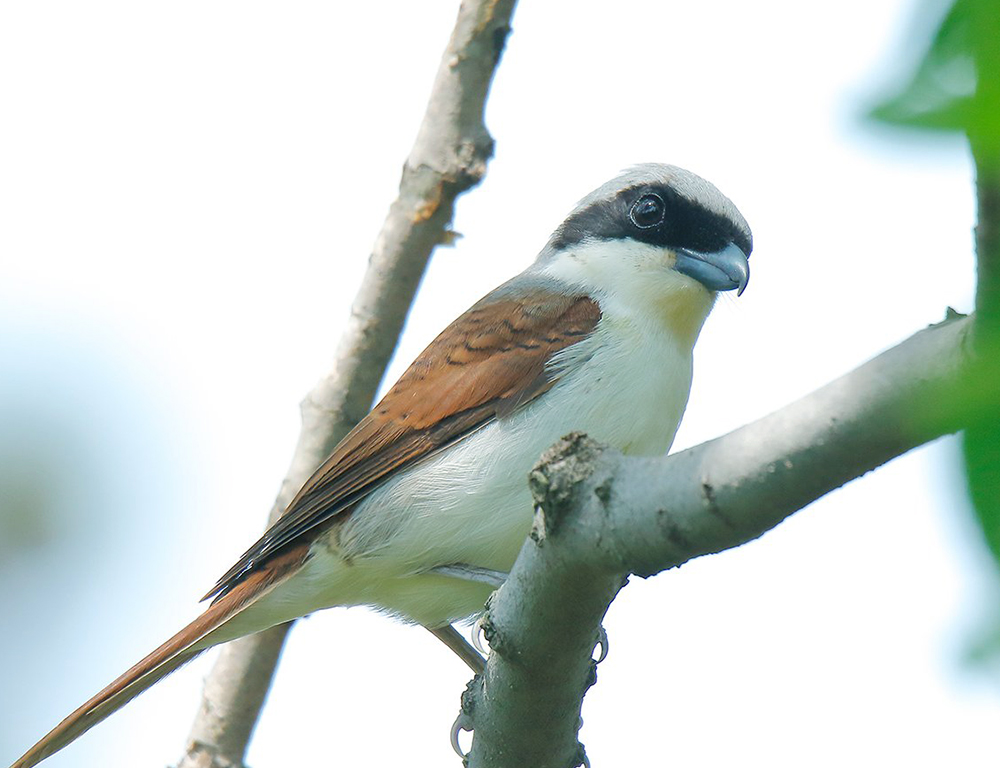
[(470, 504)]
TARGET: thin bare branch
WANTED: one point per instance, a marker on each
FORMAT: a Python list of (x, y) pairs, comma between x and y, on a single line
[(603, 516), (448, 158)]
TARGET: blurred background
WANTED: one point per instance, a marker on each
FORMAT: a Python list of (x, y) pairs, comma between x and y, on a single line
[(188, 195)]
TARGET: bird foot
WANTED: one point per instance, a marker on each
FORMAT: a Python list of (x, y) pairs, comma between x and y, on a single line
[(462, 723), (478, 637), (602, 641)]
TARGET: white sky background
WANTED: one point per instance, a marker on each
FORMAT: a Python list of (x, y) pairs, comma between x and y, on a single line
[(188, 194)]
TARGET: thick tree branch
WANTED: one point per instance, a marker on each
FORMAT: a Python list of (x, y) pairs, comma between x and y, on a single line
[(448, 158), (603, 516)]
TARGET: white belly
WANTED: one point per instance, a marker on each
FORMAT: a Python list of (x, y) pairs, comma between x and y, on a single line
[(626, 385), (470, 504)]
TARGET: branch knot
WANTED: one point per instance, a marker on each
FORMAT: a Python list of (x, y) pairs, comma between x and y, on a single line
[(556, 477)]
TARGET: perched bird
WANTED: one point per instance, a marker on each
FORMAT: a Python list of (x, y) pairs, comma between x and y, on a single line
[(427, 496)]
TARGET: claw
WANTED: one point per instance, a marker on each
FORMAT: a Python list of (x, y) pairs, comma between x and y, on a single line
[(462, 723), (602, 640), (478, 636)]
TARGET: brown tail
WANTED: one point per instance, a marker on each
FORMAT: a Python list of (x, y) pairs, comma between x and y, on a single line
[(174, 653)]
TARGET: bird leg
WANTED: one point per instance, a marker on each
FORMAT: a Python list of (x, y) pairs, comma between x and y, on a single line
[(454, 640), (448, 634)]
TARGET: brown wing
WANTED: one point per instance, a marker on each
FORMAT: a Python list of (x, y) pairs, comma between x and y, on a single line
[(487, 363)]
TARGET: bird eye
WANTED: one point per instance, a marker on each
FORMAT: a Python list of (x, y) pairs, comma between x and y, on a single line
[(648, 211)]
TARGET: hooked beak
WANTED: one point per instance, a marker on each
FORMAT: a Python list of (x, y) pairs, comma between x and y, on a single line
[(724, 270)]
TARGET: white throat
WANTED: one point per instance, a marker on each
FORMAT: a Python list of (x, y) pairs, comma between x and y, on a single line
[(637, 281)]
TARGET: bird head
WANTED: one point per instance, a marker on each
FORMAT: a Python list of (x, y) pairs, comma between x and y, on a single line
[(656, 235)]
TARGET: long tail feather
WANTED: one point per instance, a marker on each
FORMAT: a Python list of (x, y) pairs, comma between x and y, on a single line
[(174, 653)]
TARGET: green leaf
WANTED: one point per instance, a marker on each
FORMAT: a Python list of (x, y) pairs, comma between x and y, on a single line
[(981, 450), (957, 84)]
